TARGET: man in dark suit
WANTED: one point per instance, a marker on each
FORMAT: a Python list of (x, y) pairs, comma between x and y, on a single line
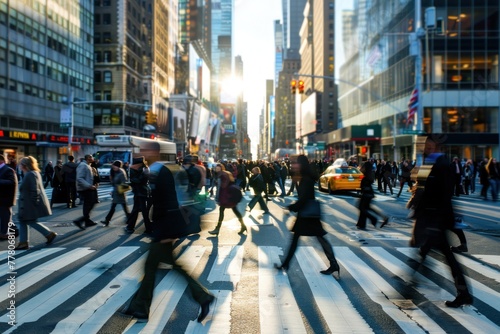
[(458, 171), (169, 225), (8, 189)]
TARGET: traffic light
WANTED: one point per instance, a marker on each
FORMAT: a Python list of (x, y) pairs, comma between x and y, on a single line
[(150, 117), (301, 86), (293, 84)]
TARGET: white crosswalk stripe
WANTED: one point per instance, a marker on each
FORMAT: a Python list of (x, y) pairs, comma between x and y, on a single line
[(279, 307)]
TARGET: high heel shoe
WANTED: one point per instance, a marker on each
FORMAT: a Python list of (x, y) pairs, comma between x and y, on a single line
[(334, 267)]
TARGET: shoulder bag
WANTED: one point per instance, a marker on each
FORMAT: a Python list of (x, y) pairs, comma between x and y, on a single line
[(312, 209)]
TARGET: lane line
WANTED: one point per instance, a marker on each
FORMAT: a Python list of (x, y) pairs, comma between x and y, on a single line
[(278, 309)]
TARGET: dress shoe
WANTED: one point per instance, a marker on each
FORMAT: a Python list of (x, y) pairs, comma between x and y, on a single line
[(22, 246), (138, 315), (205, 308), (90, 223), (243, 229), (361, 228), (50, 237), (79, 225), (282, 267), (128, 230), (463, 298), (459, 249), (105, 222), (386, 220), (333, 268)]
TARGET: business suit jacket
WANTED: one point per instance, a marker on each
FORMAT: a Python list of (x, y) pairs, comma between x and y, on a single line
[(8, 186)]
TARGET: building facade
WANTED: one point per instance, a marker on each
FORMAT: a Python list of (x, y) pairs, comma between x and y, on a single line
[(46, 55), (457, 78)]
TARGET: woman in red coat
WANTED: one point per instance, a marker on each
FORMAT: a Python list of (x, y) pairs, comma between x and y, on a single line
[(307, 226), (227, 196)]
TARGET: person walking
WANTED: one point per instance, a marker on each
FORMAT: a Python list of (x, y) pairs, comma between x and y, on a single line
[(139, 180), (33, 203), (226, 198), (49, 174), (493, 169), (367, 194), (307, 226), (8, 194), (118, 178), (257, 183), (458, 173), (386, 171), (168, 222), (483, 178), (435, 216), (405, 176), (59, 194), (69, 174), (87, 190)]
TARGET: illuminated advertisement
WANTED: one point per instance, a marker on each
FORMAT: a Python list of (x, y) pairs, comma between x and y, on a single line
[(306, 116), (229, 121)]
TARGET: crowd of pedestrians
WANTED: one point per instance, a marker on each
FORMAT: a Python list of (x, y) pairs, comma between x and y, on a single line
[(226, 182)]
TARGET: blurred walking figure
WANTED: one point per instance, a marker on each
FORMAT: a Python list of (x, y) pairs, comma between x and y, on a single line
[(226, 198), (139, 180), (88, 191), (305, 226), (435, 216), (118, 178), (367, 194), (69, 174), (169, 225), (257, 183), (48, 173), (405, 176), (8, 191), (32, 204), (493, 169)]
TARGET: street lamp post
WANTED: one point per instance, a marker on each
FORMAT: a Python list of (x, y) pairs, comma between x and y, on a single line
[(70, 127)]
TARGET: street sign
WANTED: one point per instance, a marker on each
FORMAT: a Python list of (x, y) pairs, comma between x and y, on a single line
[(413, 132)]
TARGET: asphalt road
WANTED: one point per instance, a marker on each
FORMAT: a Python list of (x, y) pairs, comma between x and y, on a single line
[(80, 283)]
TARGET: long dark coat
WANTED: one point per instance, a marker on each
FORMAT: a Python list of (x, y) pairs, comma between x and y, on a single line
[(306, 226), (119, 178), (8, 186), (33, 202)]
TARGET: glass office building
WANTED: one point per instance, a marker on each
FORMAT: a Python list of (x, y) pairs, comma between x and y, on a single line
[(46, 52), (459, 93)]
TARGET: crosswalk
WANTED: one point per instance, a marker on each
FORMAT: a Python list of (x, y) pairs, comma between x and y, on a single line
[(410, 300)]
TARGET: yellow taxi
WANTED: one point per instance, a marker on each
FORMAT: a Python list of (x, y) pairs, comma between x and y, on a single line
[(340, 178)]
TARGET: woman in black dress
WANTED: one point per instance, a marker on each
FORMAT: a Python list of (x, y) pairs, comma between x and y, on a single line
[(305, 178)]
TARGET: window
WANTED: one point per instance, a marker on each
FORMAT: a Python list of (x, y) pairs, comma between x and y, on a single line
[(97, 56), (106, 19), (106, 37), (107, 56), (97, 38), (97, 76), (97, 19), (108, 78), (107, 95), (97, 96)]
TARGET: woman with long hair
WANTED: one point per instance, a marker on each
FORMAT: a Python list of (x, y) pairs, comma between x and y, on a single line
[(224, 198), (305, 177), (32, 204)]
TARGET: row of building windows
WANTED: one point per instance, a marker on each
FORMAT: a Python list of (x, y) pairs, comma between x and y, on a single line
[(104, 76), (31, 90), (39, 33), (36, 63), (102, 57), (102, 95), (104, 19)]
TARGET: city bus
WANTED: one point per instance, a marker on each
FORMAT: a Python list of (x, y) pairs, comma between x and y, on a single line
[(125, 148)]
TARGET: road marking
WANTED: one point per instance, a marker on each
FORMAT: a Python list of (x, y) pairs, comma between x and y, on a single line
[(469, 317), (92, 315), (401, 310), (44, 270), (332, 301), (479, 290), (491, 259), (278, 309), (41, 304), (227, 265), (168, 293)]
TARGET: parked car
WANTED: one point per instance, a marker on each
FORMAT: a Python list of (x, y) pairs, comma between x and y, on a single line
[(104, 172), (336, 178)]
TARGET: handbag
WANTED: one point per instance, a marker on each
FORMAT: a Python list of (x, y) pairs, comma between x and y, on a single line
[(312, 209), (123, 188)]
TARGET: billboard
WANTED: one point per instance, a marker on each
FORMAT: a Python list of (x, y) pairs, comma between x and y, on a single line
[(305, 115), (229, 120)]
